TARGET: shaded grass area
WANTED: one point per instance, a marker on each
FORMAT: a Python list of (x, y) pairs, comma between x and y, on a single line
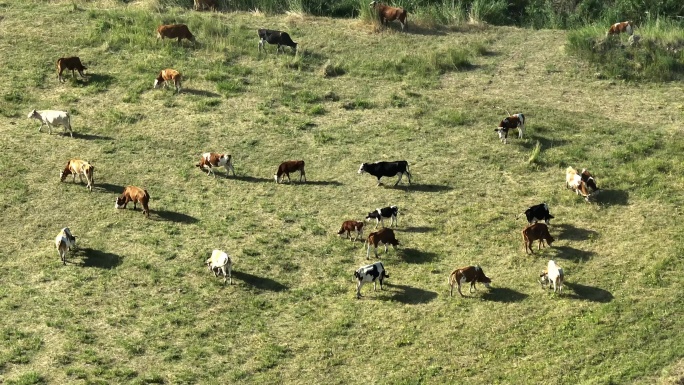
[(136, 295)]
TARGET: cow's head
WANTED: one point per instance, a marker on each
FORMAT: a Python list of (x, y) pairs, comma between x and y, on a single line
[(34, 114), (503, 132), (550, 240), (357, 275), (544, 277), (362, 169), (119, 203), (372, 215), (208, 263), (373, 3)]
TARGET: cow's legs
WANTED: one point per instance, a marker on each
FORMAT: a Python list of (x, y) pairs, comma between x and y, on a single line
[(379, 183), (399, 180), (358, 289), (49, 128)]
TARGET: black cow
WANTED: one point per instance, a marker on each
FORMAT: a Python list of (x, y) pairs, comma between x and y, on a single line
[(379, 215), (538, 213), (370, 273), (381, 169), (275, 37)]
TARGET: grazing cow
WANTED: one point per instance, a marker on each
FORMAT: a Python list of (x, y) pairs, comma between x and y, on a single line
[(205, 4), (537, 231), (220, 262), (290, 166), (167, 76), (582, 183), (81, 168), (553, 276), (618, 28), (380, 169), (70, 63), (472, 274), (511, 122), (350, 226), (383, 236), (212, 159), (64, 242), (387, 14), (275, 37), (134, 194), (370, 273), (538, 213), (52, 118), (379, 215), (175, 31)]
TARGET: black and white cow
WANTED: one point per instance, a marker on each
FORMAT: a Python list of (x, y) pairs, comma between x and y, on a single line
[(275, 37), (538, 213), (370, 273), (379, 215), (380, 169)]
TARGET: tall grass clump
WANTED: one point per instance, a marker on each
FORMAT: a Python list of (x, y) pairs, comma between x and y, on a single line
[(658, 55), (488, 11)]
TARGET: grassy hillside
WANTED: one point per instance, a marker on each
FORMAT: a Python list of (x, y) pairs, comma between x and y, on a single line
[(135, 304)]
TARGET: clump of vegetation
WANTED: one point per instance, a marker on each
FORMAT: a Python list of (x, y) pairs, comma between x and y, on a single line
[(658, 55)]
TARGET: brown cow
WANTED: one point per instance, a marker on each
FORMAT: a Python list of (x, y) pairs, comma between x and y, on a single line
[(537, 231), (70, 63), (134, 194), (350, 226), (290, 166), (212, 159), (618, 28), (387, 14), (81, 168), (173, 31), (167, 76), (383, 236), (472, 274)]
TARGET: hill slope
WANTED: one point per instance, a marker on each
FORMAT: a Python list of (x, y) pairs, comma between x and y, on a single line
[(135, 304)]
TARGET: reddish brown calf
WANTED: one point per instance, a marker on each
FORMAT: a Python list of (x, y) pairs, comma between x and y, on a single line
[(175, 31), (70, 63), (383, 236), (134, 194), (387, 14), (537, 231), (350, 226), (472, 274), (618, 28), (286, 168)]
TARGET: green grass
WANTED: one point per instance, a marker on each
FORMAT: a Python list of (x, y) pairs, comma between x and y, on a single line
[(136, 305)]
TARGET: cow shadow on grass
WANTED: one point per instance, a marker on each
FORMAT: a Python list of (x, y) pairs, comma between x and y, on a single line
[(428, 187), (78, 135), (100, 79), (195, 92), (173, 216), (572, 254), (252, 179), (410, 295), (545, 142), (419, 229), (410, 255), (500, 294), (260, 283), (98, 258), (418, 30), (572, 233), (612, 197), (323, 183), (589, 293), (108, 187)]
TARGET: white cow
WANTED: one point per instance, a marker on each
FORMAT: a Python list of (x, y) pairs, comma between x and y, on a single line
[(64, 242), (370, 273), (52, 118), (220, 261), (553, 275)]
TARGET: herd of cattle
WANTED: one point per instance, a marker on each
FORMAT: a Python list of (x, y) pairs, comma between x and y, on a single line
[(583, 183)]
